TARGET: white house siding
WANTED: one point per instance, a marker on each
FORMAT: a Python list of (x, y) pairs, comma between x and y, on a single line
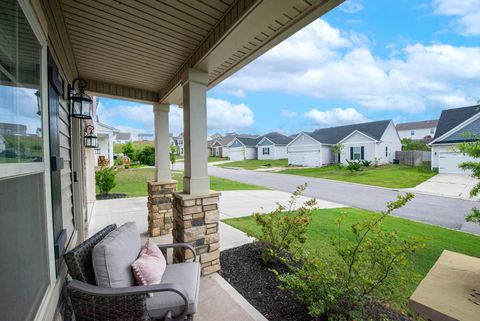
[(276, 152), (224, 151), (250, 153), (358, 140), (327, 156), (304, 151), (418, 133), (391, 140), (242, 153)]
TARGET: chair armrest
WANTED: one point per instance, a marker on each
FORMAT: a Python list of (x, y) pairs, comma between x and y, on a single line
[(176, 245), (128, 291)]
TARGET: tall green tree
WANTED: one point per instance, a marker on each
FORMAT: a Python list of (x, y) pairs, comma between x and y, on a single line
[(173, 154), (472, 149), (129, 150)]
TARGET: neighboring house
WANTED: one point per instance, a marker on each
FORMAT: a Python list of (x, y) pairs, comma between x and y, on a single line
[(105, 135), (213, 146), (455, 126), (3, 144), (419, 130), (216, 136), (145, 137), (13, 129), (242, 148), (373, 141), (122, 138), (273, 146), (223, 144), (179, 143)]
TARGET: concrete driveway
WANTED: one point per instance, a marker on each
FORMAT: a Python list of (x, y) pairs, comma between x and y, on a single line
[(451, 185)]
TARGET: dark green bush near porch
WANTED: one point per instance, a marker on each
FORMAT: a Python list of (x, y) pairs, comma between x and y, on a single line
[(146, 156)]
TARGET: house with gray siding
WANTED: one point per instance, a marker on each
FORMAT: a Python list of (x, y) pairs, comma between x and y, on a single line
[(273, 146)]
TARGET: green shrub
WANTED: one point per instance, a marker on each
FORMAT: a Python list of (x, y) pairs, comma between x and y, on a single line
[(354, 165), (409, 144), (146, 156), (284, 229), (118, 161), (366, 163), (365, 266), (129, 151), (105, 179)]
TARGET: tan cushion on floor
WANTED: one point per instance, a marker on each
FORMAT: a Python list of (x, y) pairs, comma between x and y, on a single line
[(186, 275)]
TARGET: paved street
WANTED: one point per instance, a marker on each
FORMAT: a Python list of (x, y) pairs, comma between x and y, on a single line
[(443, 211)]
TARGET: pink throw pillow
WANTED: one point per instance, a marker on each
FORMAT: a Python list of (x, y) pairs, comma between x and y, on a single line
[(150, 265)]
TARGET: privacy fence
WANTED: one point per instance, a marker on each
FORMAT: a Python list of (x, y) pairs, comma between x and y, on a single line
[(413, 157)]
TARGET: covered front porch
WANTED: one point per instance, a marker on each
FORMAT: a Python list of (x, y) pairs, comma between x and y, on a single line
[(159, 53)]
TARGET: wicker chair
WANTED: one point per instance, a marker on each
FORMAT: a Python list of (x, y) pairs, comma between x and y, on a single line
[(94, 303)]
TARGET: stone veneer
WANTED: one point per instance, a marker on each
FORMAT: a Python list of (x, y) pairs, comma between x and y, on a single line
[(196, 220), (160, 207)]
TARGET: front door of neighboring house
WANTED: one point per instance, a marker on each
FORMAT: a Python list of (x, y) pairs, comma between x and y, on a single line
[(55, 89)]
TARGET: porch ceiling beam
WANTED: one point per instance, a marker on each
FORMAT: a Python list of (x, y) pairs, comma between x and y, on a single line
[(104, 89), (247, 30)]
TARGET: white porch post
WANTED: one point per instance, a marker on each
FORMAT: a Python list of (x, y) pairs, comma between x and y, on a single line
[(196, 180), (162, 147)]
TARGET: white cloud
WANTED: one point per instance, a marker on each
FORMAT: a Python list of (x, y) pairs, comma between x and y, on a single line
[(335, 116), (351, 6), (288, 113), (225, 116), (328, 63), (466, 12)]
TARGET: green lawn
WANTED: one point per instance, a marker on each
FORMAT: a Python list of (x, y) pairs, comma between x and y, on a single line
[(134, 182), (323, 228), (257, 163), (392, 176), (216, 159)]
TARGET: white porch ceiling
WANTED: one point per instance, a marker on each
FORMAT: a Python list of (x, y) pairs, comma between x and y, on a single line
[(140, 49)]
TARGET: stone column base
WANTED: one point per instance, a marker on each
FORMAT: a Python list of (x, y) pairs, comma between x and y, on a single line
[(196, 220), (160, 207)]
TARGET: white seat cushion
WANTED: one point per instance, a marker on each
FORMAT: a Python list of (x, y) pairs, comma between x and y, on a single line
[(186, 275), (112, 257)]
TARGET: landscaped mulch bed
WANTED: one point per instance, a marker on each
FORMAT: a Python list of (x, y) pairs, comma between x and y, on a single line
[(242, 267), (110, 196)]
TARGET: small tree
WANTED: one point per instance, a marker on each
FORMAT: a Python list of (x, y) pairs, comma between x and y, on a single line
[(284, 229), (129, 150), (472, 149), (173, 154), (337, 149)]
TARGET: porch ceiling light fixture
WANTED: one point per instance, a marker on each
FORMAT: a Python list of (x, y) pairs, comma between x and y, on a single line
[(90, 137), (79, 101)]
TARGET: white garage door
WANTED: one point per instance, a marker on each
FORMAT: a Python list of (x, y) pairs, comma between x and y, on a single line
[(235, 154), (304, 158), (448, 162)]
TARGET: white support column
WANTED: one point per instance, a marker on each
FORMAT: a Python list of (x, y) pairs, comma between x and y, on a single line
[(162, 147), (196, 180)]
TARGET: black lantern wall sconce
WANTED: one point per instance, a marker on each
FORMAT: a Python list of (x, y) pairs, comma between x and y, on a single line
[(79, 101), (97, 150), (90, 137)]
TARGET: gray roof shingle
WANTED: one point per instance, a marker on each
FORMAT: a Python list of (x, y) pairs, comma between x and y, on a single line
[(277, 138), (333, 135), (424, 124), (248, 141), (451, 118)]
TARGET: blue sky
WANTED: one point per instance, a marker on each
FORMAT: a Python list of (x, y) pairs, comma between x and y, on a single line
[(366, 60)]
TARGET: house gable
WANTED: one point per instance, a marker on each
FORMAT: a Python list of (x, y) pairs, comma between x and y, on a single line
[(265, 142), (357, 137), (303, 139), (459, 134), (236, 143), (216, 144)]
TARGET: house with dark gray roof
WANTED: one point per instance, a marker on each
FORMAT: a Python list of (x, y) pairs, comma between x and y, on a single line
[(273, 146), (455, 126), (242, 148), (375, 141), (418, 130)]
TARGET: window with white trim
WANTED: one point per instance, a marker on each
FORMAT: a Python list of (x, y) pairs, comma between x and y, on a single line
[(266, 151)]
